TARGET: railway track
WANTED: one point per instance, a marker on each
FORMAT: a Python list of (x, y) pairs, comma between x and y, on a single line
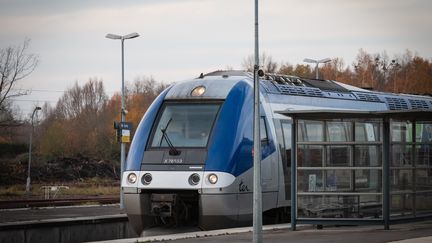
[(33, 203)]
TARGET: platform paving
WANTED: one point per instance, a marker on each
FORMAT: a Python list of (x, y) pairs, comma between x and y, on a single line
[(22, 215), (418, 232), (411, 232)]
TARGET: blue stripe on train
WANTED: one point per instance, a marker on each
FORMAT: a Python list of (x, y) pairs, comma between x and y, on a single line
[(230, 149), (136, 151)]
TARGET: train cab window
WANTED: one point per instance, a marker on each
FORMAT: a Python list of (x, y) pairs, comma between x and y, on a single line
[(184, 125)]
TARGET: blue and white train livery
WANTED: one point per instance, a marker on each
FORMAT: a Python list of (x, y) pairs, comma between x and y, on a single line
[(191, 161)]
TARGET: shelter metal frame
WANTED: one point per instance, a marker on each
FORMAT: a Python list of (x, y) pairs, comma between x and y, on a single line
[(385, 117)]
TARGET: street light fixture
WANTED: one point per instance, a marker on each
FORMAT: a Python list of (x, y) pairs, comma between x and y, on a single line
[(123, 110), (37, 108), (325, 60)]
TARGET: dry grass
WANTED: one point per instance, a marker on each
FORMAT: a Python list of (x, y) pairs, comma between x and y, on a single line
[(92, 187)]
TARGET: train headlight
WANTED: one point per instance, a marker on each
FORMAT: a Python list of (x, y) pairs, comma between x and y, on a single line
[(213, 178), (194, 179), (132, 178), (146, 178), (198, 91)]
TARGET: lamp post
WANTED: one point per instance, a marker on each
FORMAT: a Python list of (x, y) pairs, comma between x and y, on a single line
[(37, 108), (123, 110), (325, 60), (257, 190)]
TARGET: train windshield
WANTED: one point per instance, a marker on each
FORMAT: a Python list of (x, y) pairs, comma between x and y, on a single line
[(184, 125)]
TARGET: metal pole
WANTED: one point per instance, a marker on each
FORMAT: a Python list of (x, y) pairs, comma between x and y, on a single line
[(122, 115), (386, 173), (294, 174), (257, 194), (123, 110), (30, 151), (29, 160), (316, 71)]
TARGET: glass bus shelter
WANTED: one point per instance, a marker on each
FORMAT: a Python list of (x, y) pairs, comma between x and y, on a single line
[(360, 167)]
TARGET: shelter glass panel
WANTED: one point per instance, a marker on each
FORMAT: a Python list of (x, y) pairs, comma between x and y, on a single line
[(367, 155), (339, 172), (423, 179), (339, 180), (338, 155), (339, 131), (401, 180), (310, 181), (424, 132), (340, 206), (423, 203), (367, 131), (310, 155), (368, 180), (401, 131), (312, 131), (423, 155), (401, 205), (401, 155)]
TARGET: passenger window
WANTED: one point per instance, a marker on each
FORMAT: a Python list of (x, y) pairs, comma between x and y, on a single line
[(263, 131), (286, 128)]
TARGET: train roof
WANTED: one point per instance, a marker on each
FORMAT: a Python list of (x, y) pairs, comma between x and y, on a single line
[(219, 83)]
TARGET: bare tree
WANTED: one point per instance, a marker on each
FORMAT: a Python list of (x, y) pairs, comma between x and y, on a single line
[(266, 63), (15, 64)]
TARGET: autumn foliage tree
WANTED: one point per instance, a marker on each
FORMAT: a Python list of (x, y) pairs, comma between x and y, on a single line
[(406, 73), (81, 123), (77, 125)]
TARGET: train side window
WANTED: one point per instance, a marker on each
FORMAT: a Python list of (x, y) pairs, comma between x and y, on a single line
[(263, 132), (286, 128)]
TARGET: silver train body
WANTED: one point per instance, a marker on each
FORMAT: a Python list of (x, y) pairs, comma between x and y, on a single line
[(190, 160)]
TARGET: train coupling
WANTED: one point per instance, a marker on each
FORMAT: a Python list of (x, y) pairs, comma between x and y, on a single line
[(162, 204)]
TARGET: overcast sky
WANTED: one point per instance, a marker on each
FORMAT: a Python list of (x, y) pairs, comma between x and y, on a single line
[(179, 39)]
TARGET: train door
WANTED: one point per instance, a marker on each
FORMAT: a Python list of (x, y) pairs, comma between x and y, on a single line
[(269, 163), (283, 133), (269, 179)]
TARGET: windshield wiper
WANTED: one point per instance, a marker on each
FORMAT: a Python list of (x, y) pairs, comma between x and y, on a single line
[(173, 150)]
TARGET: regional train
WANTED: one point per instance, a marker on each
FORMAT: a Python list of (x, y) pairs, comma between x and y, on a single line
[(191, 162)]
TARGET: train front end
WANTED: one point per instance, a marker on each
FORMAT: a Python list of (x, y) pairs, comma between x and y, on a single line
[(179, 167)]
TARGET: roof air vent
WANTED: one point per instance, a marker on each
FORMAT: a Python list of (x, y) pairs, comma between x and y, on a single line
[(396, 103), (418, 104)]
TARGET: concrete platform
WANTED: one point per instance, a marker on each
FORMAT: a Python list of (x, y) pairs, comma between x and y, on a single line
[(64, 224), (26, 215), (413, 232)]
